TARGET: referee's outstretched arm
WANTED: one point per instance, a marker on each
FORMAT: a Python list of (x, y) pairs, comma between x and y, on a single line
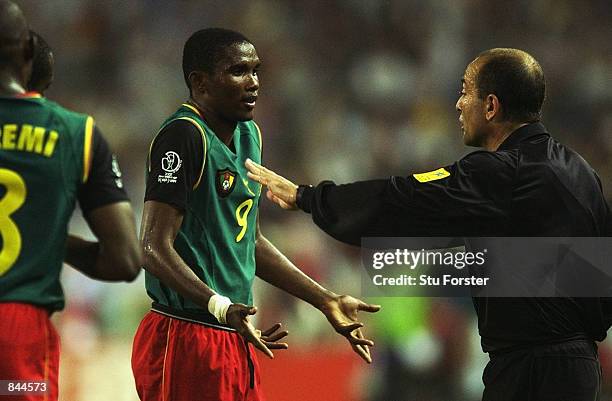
[(463, 199)]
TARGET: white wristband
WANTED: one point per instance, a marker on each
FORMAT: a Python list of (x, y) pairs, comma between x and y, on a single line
[(218, 306)]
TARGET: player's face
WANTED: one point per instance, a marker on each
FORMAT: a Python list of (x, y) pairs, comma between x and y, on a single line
[(471, 109), (233, 88)]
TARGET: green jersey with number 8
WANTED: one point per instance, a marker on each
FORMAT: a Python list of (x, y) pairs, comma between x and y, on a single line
[(217, 236), (44, 157)]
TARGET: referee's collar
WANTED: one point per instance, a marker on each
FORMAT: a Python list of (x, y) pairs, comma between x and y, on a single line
[(522, 134)]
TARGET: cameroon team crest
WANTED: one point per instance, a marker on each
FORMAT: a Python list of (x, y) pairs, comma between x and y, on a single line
[(225, 182)]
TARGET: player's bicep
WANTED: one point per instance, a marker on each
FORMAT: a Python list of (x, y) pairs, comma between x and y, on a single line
[(160, 225), (113, 225), (176, 163)]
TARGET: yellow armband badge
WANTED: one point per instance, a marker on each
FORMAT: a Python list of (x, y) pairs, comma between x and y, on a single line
[(432, 175)]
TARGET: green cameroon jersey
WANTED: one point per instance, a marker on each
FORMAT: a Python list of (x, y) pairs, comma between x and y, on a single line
[(192, 169), (44, 157)]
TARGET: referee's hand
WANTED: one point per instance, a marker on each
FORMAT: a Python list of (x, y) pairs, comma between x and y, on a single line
[(237, 318), (281, 191)]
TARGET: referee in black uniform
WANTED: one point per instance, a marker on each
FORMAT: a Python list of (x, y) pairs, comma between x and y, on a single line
[(523, 183)]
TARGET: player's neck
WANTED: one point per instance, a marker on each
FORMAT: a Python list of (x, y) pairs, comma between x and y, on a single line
[(223, 128), (9, 84)]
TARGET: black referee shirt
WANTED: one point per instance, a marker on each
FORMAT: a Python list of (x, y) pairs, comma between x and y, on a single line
[(531, 186)]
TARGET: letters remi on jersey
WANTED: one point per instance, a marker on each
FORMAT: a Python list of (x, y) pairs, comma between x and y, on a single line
[(28, 138)]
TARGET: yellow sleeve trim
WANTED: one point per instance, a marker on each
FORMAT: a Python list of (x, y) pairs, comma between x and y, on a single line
[(260, 140), (191, 120), (150, 149), (89, 124), (193, 109), (432, 175)]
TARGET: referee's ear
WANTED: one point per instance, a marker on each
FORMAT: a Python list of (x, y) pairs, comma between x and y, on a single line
[(492, 107)]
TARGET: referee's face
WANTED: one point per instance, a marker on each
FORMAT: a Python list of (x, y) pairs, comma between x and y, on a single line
[(471, 109), (231, 92)]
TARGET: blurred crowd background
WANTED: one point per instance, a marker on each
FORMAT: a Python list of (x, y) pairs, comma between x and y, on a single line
[(350, 90)]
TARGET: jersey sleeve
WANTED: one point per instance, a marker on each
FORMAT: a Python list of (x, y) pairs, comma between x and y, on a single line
[(104, 184), (469, 197), (176, 164)]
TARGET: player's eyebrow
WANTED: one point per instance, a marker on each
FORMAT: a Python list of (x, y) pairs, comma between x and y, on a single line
[(239, 64), (243, 64)]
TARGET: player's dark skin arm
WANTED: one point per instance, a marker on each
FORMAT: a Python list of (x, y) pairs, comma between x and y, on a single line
[(340, 310), (160, 225), (117, 255)]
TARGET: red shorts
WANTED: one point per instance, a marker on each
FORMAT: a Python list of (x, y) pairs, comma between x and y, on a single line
[(29, 348), (176, 360)]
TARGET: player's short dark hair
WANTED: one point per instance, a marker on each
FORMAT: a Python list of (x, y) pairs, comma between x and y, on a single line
[(15, 39), (517, 79), (206, 47), (42, 67)]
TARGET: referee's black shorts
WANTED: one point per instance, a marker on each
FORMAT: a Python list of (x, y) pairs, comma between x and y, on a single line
[(568, 371)]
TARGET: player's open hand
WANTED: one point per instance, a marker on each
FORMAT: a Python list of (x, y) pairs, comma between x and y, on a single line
[(270, 337), (280, 190), (237, 318), (341, 311)]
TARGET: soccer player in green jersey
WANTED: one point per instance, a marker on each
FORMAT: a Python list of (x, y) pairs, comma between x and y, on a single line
[(50, 158), (202, 241)]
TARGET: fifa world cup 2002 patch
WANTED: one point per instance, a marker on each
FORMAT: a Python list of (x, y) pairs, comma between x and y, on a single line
[(171, 163), (432, 175), (225, 182)]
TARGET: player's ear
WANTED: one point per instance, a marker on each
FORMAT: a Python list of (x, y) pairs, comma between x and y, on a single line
[(197, 79), (492, 107)]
